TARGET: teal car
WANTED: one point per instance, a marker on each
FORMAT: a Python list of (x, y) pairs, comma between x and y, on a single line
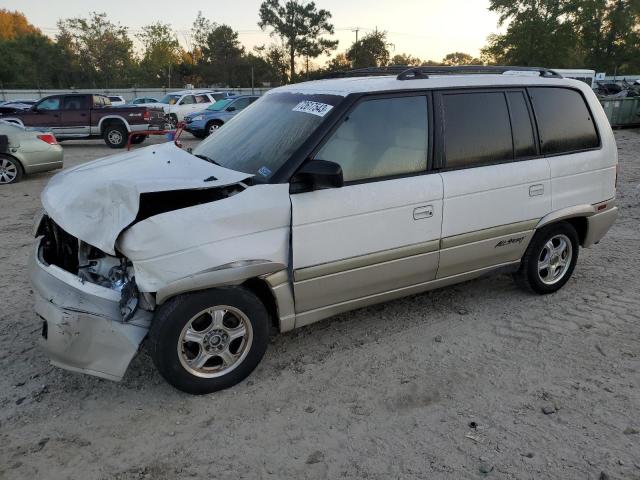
[(204, 123)]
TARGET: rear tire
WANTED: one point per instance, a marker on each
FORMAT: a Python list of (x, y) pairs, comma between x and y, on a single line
[(138, 139), (550, 259), (209, 340), (115, 135), (10, 170)]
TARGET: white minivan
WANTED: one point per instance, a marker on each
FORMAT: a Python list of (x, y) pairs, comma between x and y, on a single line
[(319, 198)]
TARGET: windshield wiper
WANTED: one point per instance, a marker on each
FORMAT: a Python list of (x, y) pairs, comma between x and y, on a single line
[(208, 159)]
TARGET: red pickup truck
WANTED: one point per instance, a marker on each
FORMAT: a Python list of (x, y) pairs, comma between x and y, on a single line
[(75, 116)]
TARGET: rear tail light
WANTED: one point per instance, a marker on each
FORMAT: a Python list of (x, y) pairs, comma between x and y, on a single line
[(48, 138), (146, 115)]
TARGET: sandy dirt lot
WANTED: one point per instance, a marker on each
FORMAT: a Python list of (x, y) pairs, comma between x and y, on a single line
[(448, 384)]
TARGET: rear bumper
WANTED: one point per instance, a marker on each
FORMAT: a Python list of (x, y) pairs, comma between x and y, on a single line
[(83, 330), (598, 225)]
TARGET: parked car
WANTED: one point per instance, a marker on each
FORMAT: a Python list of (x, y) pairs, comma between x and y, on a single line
[(178, 104), (117, 100), (204, 123), (74, 116), (143, 101), (23, 152), (321, 198)]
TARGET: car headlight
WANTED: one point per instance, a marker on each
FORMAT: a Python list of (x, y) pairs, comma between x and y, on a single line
[(197, 117)]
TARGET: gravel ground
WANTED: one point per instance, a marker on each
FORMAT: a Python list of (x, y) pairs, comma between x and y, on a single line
[(479, 380)]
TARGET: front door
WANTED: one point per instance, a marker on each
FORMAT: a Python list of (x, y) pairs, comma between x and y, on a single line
[(496, 186), (45, 114), (378, 233)]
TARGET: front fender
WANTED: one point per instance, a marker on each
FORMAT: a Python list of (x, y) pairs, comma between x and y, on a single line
[(233, 273)]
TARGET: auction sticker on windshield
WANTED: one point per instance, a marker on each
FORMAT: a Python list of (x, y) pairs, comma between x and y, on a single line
[(314, 108)]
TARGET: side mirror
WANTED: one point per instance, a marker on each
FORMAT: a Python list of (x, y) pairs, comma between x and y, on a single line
[(316, 175), (231, 109)]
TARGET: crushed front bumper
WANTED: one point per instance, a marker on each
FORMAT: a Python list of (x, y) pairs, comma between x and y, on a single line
[(83, 330)]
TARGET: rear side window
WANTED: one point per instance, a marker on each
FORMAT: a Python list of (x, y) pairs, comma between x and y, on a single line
[(76, 102), (564, 121), (381, 138), (521, 126), (477, 130)]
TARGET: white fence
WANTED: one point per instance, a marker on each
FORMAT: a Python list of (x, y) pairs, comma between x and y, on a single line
[(127, 93)]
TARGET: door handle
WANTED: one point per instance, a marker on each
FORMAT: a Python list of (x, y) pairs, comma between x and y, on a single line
[(536, 190), (425, 211)]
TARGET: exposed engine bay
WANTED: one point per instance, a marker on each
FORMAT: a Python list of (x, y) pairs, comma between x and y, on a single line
[(90, 264)]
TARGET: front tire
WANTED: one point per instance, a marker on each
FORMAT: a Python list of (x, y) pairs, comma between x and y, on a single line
[(550, 259), (207, 341), (115, 135)]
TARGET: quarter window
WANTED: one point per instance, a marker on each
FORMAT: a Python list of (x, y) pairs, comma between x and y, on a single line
[(380, 138), (477, 130), (564, 121)]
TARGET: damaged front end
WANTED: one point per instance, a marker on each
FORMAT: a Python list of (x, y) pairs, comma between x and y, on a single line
[(94, 318)]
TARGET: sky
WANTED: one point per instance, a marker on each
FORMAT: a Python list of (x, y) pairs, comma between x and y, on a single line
[(428, 29)]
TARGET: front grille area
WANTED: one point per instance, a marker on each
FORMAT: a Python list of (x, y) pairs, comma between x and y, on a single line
[(59, 248)]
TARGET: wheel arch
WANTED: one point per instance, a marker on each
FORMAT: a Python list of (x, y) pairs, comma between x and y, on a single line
[(576, 216), (112, 119)]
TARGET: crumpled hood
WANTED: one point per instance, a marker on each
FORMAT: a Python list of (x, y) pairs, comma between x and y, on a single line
[(97, 200)]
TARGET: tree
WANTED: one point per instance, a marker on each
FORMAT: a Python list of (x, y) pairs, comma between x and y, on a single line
[(370, 51), (32, 60), (101, 49), (275, 57), (200, 31), (540, 33), (222, 52), (337, 63), (161, 51), (300, 26), (460, 58), (608, 30), (14, 24), (405, 59)]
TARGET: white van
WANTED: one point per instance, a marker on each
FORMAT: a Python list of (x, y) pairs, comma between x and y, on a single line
[(319, 198)]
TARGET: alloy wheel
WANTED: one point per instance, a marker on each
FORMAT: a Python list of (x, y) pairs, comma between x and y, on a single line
[(555, 259), (8, 171), (215, 341)]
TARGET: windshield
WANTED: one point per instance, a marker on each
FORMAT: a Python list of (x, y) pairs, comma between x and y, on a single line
[(261, 138), (170, 99), (220, 105)]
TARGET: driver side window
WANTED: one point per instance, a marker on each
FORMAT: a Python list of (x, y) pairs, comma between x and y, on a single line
[(52, 103), (380, 138)]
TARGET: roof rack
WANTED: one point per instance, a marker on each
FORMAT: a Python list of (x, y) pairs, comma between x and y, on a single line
[(414, 73), (370, 71)]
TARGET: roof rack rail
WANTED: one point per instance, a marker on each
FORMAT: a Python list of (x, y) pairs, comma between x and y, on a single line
[(414, 73), (369, 71)]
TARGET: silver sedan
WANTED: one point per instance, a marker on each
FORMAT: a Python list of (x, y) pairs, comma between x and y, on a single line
[(24, 151)]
